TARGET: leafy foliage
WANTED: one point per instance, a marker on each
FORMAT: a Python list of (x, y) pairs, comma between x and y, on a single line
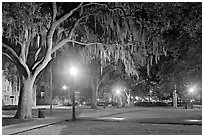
[(183, 64), (9, 69)]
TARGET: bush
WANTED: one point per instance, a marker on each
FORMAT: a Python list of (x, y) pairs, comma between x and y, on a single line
[(150, 104), (160, 104), (66, 104), (56, 101), (144, 104)]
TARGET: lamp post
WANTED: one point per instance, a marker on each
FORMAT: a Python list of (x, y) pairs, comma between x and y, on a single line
[(64, 87), (73, 73), (118, 91), (191, 89)]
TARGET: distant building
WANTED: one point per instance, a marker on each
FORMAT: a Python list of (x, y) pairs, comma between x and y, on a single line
[(10, 93)]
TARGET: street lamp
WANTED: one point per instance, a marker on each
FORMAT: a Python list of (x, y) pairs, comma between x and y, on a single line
[(64, 87), (73, 72), (117, 91), (191, 89)]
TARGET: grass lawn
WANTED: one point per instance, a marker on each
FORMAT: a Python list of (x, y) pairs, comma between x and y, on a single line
[(11, 121)]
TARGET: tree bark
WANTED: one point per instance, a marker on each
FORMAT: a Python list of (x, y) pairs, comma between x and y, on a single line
[(94, 87), (25, 99)]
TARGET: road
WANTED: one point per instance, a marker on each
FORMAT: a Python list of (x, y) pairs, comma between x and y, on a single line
[(128, 121)]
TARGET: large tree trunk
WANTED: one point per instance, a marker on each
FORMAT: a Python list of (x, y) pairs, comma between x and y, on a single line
[(94, 87), (25, 99)]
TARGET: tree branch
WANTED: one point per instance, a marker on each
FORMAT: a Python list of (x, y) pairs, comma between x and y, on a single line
[(54, 5), (5, 54), (25, 66), (27, 46), (10, 50), (61, 44), (68, 14), (112, 9), (56, 23), (68, 39), (44, 63), (37, 63), (63, 18), (17, 58), (37, 53)]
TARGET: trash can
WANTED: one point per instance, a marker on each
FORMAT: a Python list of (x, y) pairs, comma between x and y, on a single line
[(41, 113)]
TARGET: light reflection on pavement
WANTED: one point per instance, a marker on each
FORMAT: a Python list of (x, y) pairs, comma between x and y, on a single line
[(112, 118), (163, 120), (193, 120)]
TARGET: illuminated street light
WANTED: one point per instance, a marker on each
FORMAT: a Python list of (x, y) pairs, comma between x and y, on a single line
[(73, 71), (117, 91), (64, 87), (191, 90)]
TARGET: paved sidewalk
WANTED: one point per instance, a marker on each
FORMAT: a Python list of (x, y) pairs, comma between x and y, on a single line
[(59, 114), (36, 123)]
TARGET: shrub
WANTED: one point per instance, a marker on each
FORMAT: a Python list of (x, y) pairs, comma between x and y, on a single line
[(150, 104)]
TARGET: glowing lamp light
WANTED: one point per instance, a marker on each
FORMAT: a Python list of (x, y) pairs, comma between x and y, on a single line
[(64, 87), (73, 71), (117, 91), (192, 89)]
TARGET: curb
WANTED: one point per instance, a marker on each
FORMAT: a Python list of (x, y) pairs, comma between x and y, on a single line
[(36, 127)]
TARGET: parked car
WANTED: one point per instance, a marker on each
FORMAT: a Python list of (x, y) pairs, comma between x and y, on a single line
[(102, 103)]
